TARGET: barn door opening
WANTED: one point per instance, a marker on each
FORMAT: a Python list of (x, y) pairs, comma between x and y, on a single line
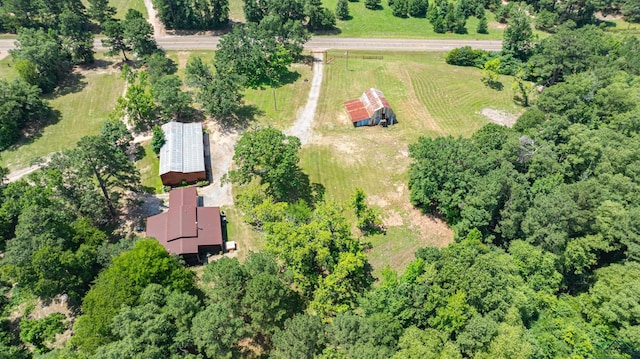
[(383, 118)]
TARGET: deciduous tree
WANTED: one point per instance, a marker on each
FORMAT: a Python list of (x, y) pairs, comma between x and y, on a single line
[(50, 60)]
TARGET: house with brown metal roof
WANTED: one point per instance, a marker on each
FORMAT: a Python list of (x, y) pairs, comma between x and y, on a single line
[(371, 109), (182, 155), (186, 229)]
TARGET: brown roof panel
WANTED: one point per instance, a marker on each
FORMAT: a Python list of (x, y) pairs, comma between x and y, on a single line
[(210, 226), (185, 227), (356, 110), (157, 227), (187, 196)]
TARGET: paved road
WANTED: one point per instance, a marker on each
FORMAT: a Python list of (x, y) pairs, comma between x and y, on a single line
[(317, 43)]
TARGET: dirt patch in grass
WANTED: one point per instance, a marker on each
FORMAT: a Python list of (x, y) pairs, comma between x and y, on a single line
[(434, 230), (500, 117), (497, 25), (183, 57), (392, 219)]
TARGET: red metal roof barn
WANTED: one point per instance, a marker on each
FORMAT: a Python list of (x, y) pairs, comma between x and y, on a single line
[(371, 109)]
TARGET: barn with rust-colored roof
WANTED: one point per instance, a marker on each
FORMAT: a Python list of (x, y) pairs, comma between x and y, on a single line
[(187, 229), (371, 109)]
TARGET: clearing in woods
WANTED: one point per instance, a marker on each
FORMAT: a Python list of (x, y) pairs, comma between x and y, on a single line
[(430, 98), (122, 6)]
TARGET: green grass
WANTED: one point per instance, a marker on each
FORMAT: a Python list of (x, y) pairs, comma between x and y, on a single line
[(622, 27), (289, 98), (92, 96), (7, 71), (236, 13), (149, 168), (245, 237), (122, 6), (382, 23), (430, 98)]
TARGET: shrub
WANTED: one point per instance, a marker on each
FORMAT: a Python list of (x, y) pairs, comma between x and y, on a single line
[(483, 25), (158, 140), (400, 8), (466, 56), (342, 10), (418, 8), (372, 4)]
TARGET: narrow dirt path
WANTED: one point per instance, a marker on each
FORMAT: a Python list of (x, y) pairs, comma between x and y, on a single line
[(16, 175), (303, 127), (158, 26)]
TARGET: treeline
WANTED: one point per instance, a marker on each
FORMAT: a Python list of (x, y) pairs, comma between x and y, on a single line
[(570, 51), (56, 229), (193, 14), (214, 14), (558, 190)]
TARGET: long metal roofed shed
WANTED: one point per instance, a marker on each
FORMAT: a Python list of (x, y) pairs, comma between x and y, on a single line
[(371, 109), (186, 229), (182, 155)]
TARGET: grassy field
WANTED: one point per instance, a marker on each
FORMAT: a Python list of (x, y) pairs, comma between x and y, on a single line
[(122, 6), (149, 168), (236, 13), (622, 27), (247, 239), (382, 23), (84, 103), (6, 69), (430, 98)]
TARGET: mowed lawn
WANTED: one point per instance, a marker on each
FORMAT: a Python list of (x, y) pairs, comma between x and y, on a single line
[(84, 104), (149, 168), (122, 6), (382, 23), (430, 99)]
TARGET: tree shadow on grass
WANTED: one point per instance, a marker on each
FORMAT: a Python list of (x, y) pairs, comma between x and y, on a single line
[(243, 117), (33, 131), (289, 78), (333, 31), (496, 85), (73, 83)]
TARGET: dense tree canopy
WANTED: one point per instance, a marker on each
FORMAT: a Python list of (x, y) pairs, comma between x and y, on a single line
[(41, 59), (193, 14), (272, 157), (20, 108), (122, 283)]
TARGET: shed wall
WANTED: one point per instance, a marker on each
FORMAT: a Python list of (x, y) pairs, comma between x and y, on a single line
[(175, 178)]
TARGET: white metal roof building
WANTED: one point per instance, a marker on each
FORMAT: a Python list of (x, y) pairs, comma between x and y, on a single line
[(182, 155)]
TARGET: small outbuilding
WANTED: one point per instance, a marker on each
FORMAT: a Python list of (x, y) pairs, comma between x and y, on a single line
[(187, 229), (182, 155), (370, 109)]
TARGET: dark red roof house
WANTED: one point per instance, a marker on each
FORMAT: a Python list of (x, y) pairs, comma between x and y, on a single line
[(187, 229), (371, 109)]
